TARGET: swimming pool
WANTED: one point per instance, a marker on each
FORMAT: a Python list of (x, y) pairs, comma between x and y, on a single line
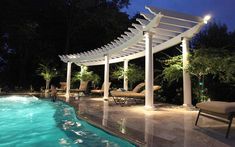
[(29, 121)]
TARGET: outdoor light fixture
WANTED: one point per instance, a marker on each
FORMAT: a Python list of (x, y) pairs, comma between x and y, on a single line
[(207, 18)]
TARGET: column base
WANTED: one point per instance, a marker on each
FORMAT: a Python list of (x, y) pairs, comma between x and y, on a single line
[(105, 98), (188, 105), (150, 108), (67, 97), (67, 100)]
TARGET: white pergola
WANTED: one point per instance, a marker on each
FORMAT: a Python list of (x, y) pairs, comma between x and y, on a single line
[(159, 30)]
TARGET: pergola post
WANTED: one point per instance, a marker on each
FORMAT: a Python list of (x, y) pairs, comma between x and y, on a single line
[(149, 102), (186, 76), (106, 77), (68, 81), (82, 68), (125, 79)]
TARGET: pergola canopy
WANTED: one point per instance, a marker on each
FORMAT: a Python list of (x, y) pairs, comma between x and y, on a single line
[(167, 27)]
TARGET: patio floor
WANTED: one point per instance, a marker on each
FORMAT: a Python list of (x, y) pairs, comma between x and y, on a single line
[(169, 125)]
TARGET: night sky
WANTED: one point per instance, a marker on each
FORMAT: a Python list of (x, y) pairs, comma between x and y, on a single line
[(222, 11)]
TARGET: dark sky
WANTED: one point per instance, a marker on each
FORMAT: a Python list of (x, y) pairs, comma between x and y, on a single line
[(221, 10)]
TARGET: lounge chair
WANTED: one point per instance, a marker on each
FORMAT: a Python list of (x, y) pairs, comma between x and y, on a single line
[(100, 91), (82, 88), (217, 110), (138, 87), (121, 97), (62, 88)]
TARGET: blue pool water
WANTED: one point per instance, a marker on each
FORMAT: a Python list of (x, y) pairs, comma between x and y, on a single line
[(29, 121)]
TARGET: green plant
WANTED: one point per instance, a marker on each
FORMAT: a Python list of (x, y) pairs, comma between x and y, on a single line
[(95, 80), (85, 75), (202, 62), (47, 73), (173, 69), (133, 74)]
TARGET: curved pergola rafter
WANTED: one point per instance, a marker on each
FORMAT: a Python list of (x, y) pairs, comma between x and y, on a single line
[(166, 26), (157, 30)]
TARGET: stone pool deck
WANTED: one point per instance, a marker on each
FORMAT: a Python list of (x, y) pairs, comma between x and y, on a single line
[(168, 125)]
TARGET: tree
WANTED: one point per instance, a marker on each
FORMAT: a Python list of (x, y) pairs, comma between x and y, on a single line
[(215, 36), (42, 29), (173, 69), (219, 46), (133, 73), (85, 75), (211, 61), (92, 18), (5, 51), (47, 73), (204, 62)]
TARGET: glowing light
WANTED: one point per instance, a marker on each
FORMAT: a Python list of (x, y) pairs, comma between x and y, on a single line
[(207, 18)]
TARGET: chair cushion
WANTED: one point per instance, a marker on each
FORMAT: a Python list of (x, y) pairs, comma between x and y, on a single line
[(155, 88), (63, 85), (138, 87), (127, 94), (97, 91), (217, 106)]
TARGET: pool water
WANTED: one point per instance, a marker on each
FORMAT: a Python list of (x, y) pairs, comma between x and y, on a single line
[(29, 121)]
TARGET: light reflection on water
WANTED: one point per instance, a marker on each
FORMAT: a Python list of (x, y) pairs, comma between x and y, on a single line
[(29, 121), (14, 98)]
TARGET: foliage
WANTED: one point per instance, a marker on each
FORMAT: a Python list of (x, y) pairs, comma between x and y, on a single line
[(219, 63), (5, 51), (173, 69), (47, 73), (42, 29), (85, 75), (215, 35), (211, 64), (96, 79), (133, 74), (203, 62)]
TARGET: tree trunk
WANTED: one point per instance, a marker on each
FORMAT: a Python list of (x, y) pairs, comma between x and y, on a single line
[(47, 84)]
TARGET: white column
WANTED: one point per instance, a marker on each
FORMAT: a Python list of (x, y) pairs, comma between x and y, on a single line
[(148, 71), (68, 81), (106, 77), (186, 76), (82, 68), (125, 79)]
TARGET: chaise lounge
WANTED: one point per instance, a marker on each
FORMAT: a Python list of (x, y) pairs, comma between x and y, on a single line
[(82, 88), (100, 91), (62, 88), (121, 97), (217, 110)]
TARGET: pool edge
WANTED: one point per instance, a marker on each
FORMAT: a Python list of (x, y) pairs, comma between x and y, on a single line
[(106, 129)]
